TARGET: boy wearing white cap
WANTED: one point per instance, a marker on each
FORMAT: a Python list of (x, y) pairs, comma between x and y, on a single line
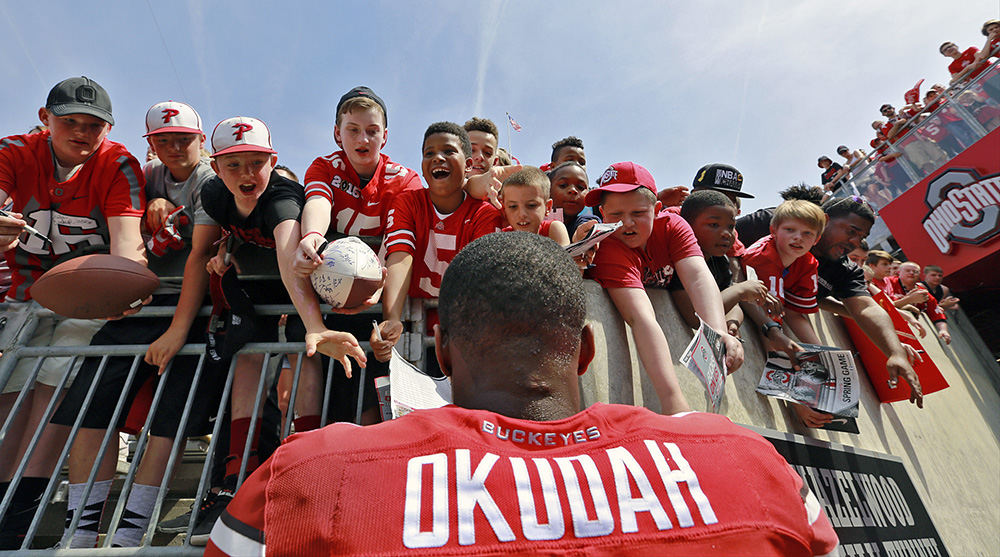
[(258, 206), (181, 244)]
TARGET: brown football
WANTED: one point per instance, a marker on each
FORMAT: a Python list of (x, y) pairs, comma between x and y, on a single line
[(94, 286)]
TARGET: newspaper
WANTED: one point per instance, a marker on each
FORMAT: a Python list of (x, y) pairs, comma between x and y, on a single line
[(706, 357), (599, 232), (411, 389), (826, 381)]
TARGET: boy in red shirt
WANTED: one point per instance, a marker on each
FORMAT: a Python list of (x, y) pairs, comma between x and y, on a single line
[(526, 204), (646, 250), (965, 64), (427, 227), (350, 192), (782, 260), (81, 190)]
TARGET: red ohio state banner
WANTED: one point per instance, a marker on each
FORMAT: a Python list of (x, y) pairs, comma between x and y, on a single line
[(952, 217), (874, 360)]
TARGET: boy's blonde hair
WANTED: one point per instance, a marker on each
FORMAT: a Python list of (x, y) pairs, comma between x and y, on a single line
[(529, 176), (359, 103), (805, 211)]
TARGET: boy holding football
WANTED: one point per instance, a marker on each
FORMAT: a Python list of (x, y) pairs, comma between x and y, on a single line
[(80, 190), (350, 192)]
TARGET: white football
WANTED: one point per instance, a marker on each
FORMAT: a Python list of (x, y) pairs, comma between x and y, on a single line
[(350, 274)]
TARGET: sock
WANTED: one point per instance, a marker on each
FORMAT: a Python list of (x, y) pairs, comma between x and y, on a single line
[(239, 435), (90, 520), (306, 423), (23, 505), (135, 520)]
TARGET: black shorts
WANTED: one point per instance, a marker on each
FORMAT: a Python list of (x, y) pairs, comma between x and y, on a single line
[(165, 422), (343, 392)]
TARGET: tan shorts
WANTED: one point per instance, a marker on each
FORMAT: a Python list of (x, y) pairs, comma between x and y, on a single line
[(55, 331)]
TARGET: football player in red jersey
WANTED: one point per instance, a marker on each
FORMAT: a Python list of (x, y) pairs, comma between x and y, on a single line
[(472, 478), (78, 189)]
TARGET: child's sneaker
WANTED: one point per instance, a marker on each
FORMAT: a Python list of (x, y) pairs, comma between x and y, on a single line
[(209, 512)]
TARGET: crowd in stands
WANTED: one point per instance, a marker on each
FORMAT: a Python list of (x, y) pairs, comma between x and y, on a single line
[(926, 133), (202, 207)]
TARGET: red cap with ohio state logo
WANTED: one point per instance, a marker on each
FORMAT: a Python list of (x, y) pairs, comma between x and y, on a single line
[(241, 133), (620, 177), (172, 116)]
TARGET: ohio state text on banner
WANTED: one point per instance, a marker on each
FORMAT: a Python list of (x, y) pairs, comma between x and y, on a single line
[(868, 496)]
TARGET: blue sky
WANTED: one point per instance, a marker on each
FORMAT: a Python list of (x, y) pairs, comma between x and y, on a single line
[(766, 86)]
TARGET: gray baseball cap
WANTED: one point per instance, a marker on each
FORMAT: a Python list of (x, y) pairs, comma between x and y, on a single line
[(80, 95)]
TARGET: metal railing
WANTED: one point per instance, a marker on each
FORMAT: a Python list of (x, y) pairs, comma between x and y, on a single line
[(21, 322), (913, 155)]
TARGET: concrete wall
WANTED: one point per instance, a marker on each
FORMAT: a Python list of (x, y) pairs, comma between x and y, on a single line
[(951, 448)]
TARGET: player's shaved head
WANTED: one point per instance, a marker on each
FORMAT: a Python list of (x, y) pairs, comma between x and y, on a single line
[(512, 310)]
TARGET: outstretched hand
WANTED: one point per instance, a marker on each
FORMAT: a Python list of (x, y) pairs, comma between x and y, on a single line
[(487, 185), (338, 345), (307, 257), (899, 366)]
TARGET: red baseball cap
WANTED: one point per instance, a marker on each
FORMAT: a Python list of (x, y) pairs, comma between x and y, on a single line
[(621, 177)]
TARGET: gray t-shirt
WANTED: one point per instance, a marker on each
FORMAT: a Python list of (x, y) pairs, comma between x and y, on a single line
[(160, 184)]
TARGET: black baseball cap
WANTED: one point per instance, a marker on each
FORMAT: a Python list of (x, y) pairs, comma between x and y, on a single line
[(722, 178), (80, 95), (362, 91)]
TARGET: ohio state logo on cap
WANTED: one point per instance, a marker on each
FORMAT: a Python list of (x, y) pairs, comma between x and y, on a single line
[(609, 174), (172, 117), (241, 133)]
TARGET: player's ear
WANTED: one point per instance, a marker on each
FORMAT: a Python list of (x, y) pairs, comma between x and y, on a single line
[(548, 206), (385, 136), (336, 136), (43, 115), (657, 207), (587, 349), (468, 162), (274, 161), (441, 351), (215, 165)]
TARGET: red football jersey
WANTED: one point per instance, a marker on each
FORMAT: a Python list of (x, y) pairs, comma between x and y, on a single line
[(358, 211), (619, 266), (895, 290), (414, 226), (795, 285), (73, 214), (967, 57), (611, 480)]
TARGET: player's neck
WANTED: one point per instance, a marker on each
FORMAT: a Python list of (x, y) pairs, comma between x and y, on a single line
[(516, 405)]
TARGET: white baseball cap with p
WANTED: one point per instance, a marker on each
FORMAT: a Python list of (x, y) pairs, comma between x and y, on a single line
[(241, 133), (172, 116)]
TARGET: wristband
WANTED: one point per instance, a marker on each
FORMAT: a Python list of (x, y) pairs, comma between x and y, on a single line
[(306, 235), (766, 327)]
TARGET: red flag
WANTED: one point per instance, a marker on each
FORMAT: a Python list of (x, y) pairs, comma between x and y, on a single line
[(913, 95), (513, 123), (874, 360)]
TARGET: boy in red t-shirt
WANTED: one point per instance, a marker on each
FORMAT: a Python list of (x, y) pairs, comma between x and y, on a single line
[(965, 64), (426, 228), (81, 190), (782, 260), (646, 250), (350, 192), (526, 204)]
